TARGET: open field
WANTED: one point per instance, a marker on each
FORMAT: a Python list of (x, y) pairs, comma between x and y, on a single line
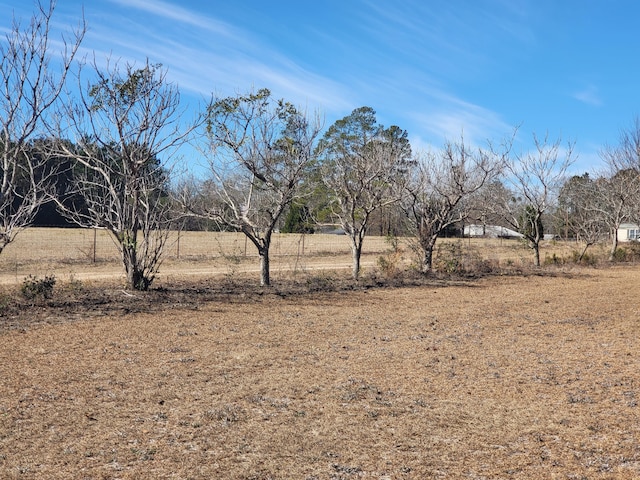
[(87, 254), (92, 255), (515, 377)]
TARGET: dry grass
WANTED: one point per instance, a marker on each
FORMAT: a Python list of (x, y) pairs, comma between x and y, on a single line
[(91, 254), (75, 245), (69, 254), (503, 377)]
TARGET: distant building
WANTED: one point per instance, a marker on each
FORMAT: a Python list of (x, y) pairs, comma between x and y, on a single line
[(490, 231), (629, 232)]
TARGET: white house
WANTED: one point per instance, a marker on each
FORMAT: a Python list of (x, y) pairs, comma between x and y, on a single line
[(490, 231), (628, 232)]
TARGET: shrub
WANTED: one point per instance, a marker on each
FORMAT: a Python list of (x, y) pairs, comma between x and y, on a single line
[(588, 258), (629, 253), (390, 262), (34, 287), (481, 266), (5, 303), (455, 258), (554, 260), (75, 285), (449, 258), (620, 254)]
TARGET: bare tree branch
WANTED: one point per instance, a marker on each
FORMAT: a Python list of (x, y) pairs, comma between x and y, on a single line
[(619, 187), (364, 167), (259, 151), (534, 179), (442, 185), (30, 89), (126, 127)]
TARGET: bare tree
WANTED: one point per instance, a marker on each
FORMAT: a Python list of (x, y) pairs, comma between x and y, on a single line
[(580, 211), (442, 183), (590, 230), (534, 179), (613, 197), (127, 125), (364, 167), (259, 151), (619, 187), (33, 72)]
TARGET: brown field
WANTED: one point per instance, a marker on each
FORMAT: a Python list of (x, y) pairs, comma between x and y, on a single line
[(508, 376), (91, 254), (84, 254)]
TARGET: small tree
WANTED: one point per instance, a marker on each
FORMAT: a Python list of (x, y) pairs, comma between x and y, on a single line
[(29, 96), (441, 186), (534, 179), (614, 197), (580, 212), (298, 219), (259, 151), (619, 188), (364, 167), (531, 226), (126, 122), (571, 201)]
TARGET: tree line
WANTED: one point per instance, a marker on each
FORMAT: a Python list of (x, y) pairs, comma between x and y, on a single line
[(103, 151)]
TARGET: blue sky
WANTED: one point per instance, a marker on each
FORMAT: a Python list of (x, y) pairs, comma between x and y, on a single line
[(435, 68)]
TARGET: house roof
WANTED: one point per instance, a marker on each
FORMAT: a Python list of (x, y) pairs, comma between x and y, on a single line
[(490, 231)]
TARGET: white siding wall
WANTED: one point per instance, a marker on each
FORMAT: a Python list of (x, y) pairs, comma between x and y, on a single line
[(628, 232)]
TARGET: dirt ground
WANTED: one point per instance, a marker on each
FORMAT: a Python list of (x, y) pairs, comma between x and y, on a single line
[(521, 377)]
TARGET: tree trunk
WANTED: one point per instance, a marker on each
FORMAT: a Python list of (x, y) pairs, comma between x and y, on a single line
[(614, 246), (428, 244), (427, 259), (129, 260), (356, 252), (536, 251), (137, 279), (584, 251), (265, 279)]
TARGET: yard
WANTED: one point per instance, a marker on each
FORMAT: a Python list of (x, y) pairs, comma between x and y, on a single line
[(90, 255), (514, 376)]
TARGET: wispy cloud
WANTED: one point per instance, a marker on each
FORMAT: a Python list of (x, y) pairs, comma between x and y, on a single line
[(438, 114), (205, 55), (437, 49), (450, 122), (438, 69), (589, 95), (513, 19), (455, 38), (176, 13)]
